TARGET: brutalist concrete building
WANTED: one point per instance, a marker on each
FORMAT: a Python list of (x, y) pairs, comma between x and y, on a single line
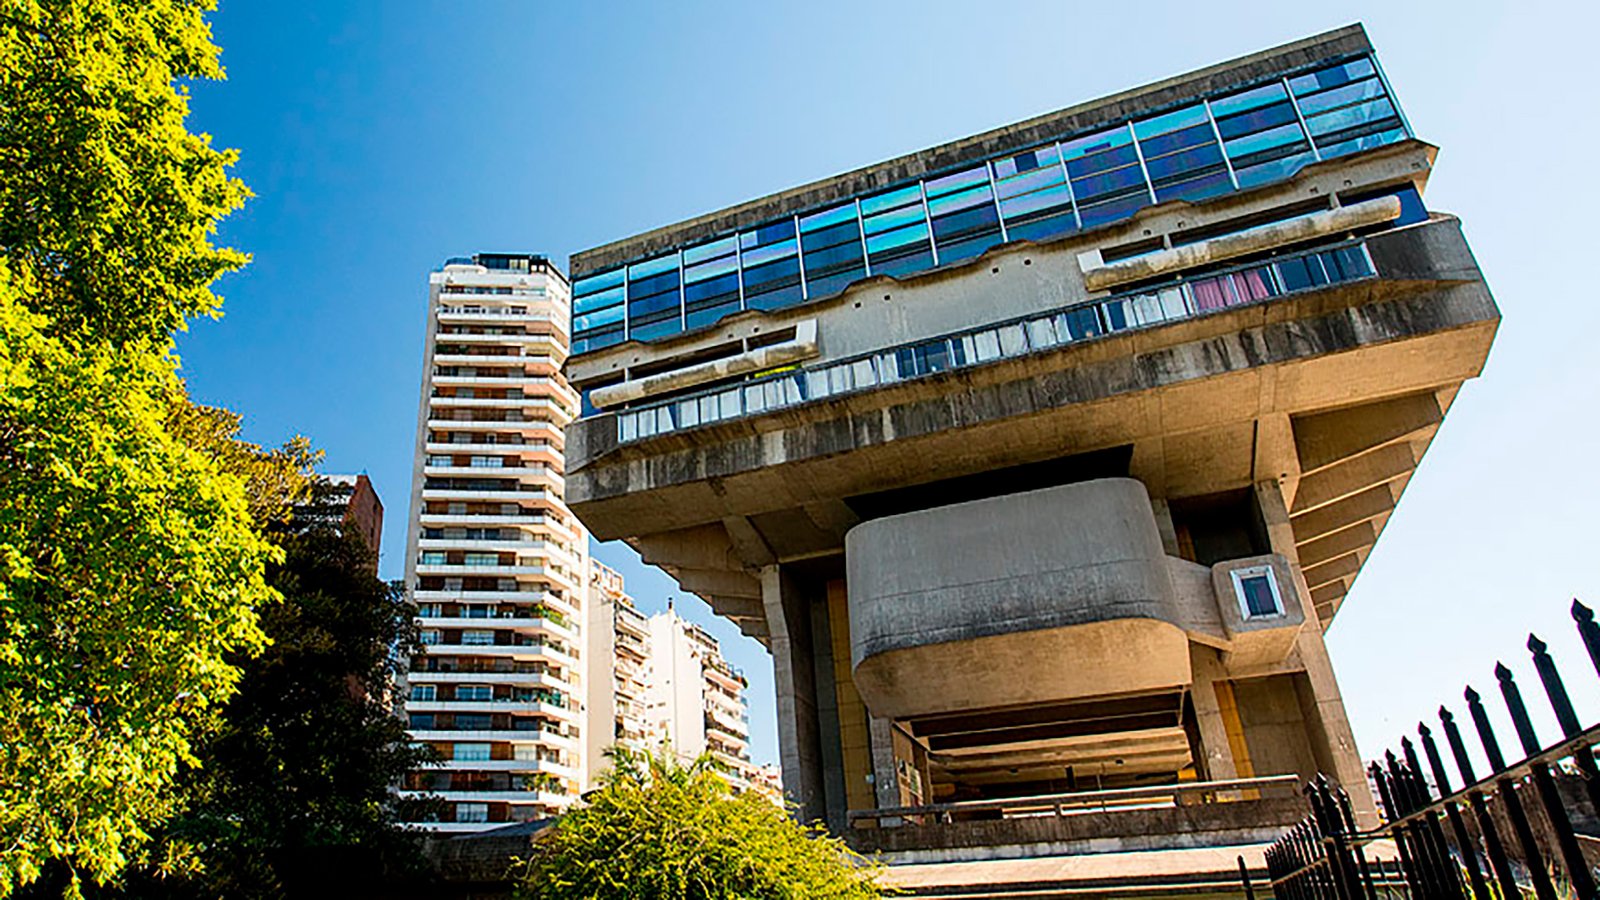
[(1043, 460)]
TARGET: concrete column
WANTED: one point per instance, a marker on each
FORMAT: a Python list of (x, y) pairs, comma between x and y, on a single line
[(1218, 764), (789, 624), (1322, 706), (885, 780)]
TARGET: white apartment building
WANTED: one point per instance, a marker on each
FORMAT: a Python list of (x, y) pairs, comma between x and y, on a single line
[(619, 632), (696, 699), (495, 561)]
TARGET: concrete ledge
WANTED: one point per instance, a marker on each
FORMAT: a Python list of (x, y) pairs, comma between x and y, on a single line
[(802, 347), (1169, 828), (1103, 276)]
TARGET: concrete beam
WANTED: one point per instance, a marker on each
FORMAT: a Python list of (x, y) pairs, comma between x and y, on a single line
[(736, 608), (1323, 439), (1329, 594), (1360, 536), (1333, 570), (698, 547), (720, 582), (748, 545), (1354, 475), (1325, 520)]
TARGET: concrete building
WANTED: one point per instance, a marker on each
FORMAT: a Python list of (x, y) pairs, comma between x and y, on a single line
[(1042, 460), (618, 648), (496, 563), (695, 699)]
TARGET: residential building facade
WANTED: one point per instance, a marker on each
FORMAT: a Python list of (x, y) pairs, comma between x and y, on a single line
[(496, 563), (696, 700), (1042, 460), (618, 648)]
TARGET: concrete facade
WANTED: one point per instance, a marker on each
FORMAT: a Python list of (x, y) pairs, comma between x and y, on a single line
[(997, 553)]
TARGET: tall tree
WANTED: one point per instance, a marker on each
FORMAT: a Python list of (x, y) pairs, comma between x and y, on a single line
[(131, 567), (296, 784), (661, 830), (130, 572)]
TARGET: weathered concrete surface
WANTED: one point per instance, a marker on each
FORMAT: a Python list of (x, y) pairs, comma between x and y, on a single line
[(1148, 387), (947, 604), (1311, 226)]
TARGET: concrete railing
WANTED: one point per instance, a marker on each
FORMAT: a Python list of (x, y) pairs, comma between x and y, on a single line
[(1181, 794)]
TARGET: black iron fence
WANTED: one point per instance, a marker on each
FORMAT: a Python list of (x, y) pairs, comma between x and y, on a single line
[(1527, 828)]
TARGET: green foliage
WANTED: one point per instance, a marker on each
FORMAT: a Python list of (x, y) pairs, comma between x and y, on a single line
[(308, 750), (132, 560), (130, 570), (657, 829), (105, 195)]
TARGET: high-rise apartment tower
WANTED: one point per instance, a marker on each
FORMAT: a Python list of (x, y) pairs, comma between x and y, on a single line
[(1042, 460), (496, 563)]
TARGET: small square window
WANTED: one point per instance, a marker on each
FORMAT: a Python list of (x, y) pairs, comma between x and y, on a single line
[(1257, 591)]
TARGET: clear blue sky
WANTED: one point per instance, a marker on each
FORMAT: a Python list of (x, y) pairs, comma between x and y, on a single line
[(382, 137)]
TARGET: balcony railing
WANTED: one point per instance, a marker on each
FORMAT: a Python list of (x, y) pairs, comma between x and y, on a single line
[(1204, 294)]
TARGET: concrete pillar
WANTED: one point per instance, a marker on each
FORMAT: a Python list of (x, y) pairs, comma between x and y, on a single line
[(1218, 764), (789, 623), (885, 780), (1322, 706)]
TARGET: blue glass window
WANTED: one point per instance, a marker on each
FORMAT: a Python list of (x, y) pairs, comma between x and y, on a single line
[(1033, 193), (830, 242), (771, 266), (597, 305), (1261, 134), (1182, 156), (961, 208), (897, 232), (655, 307), (710, 281), (1107, 181), (1346, 108)]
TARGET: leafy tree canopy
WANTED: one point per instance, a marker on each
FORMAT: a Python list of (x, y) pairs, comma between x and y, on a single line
[(105, 195), (132, 560), (660, 830), (130, 569), (293, 793)]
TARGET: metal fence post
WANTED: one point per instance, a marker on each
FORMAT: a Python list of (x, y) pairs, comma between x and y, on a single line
[(1555, 811), (1464, 842), (1507, 793), (1480, 809)]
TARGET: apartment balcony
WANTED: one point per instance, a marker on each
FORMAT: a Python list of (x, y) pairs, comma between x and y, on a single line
[(728, 721), (513, 736), (535, 427), (472, 520), (534, 495), (520, 474), (501, 340), (503, 316), (493, 706), (724, 675), (523, 546), (546, 798), (539, 363), (516, 679), (518, 766), (527, 401), (541, 450), (535, 624), (530, 652)]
